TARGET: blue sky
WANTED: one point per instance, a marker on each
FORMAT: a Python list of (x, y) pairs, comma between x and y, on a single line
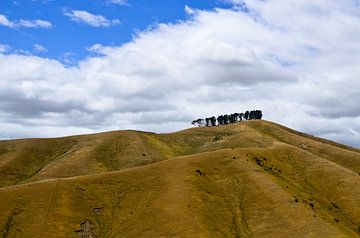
[(67, 40)]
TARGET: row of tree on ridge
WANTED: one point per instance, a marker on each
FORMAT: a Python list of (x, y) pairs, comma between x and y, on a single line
[(228, 119)]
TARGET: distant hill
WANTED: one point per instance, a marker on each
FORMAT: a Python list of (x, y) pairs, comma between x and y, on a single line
[(249, 179)]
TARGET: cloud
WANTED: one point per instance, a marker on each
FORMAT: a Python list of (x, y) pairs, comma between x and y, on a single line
[(4, 48), (118, 2), (96, 48), (69, 58), (90, 19), (35, 24), (302, 72), (189, 10), (4, 21), (39, 48), (24, 23)]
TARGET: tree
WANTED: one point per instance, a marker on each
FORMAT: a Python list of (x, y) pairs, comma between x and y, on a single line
[(220, 120), (237, 116), (247, 115), (207, 121), (232, 118), (258, 115), (199, 122), (241, 116), (226, 119), (194, 122), (213, 121), (252, 115)]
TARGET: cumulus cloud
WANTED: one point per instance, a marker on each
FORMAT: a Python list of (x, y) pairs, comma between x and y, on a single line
[(189, 10), (37, 23), (90, 19), (302, 72)]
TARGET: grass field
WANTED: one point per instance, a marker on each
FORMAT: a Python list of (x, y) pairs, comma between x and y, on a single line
[(250, 179)]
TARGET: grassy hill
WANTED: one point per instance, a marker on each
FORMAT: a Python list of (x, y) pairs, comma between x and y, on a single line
[(250, 179)]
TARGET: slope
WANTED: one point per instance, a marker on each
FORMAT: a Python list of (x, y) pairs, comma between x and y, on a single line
[(27, 160), (251, 179)]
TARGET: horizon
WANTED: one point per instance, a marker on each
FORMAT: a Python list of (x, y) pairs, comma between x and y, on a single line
[(169, 132), (70, 68)]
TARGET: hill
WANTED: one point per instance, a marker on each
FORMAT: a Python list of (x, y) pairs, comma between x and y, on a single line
[(250, 179)]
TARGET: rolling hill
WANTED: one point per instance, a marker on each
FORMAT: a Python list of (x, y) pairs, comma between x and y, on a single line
[(250, 179)]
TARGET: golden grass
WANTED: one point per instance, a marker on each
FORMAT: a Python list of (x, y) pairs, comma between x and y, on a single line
[(251, 179)]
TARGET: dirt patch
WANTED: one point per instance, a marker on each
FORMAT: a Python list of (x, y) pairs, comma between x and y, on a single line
[(86, 230), (303, 146)]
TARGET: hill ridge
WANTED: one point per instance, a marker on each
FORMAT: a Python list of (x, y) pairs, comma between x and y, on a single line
[(251, 179)]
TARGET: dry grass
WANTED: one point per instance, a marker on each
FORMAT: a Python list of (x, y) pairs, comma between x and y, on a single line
[(251, 179)]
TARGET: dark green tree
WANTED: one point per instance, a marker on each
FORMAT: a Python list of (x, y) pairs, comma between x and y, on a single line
[(213, 121), (241, 116), (226, 119), (246, 115)]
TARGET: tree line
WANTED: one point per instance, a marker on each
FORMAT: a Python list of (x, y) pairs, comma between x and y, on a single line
[(228, 119)]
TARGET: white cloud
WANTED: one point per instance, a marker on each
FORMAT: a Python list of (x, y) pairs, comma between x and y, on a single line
[(34, 24), (301, 70), (68, 58), (5, 21), (24, 23), (39, 48), (100, 49), (189, 10), (118, 2), (90, 19), (4, 48), (96, 48)]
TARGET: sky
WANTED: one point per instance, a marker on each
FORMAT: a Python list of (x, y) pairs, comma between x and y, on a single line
[(74, 67)]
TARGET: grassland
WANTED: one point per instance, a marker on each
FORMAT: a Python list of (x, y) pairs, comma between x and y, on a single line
[(250, 179)]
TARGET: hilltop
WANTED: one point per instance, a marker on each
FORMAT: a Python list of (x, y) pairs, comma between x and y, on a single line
[(249, 179)]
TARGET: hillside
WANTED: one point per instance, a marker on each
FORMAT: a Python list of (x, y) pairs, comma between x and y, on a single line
[(250, 179)]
